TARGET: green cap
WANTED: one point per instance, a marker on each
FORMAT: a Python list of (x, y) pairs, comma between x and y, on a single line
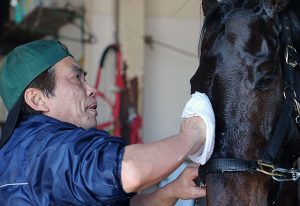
[(25, 63), (20, 67)]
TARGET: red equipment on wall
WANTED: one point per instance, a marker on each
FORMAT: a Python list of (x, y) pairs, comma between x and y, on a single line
[(119, 114), (112, 100)]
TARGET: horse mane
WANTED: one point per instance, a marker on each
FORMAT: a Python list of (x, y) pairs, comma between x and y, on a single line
[(294, 16)]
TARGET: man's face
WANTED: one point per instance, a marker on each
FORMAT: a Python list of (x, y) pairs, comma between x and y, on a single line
[(73, 100)]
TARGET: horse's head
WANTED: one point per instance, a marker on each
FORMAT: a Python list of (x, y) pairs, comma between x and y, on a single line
[(242, 70)]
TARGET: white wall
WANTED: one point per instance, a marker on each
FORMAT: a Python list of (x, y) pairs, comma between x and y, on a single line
[(167, 72), (100, 18)]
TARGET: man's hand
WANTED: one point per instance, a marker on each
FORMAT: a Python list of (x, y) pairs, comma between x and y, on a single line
[(183, 187), (200, 105), (194, 128)]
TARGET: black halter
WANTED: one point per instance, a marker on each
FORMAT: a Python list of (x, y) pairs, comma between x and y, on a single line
[(266, 163)]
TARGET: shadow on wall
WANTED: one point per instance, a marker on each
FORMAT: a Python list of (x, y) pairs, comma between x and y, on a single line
[(3, 114), (3, 111), (1, 127)]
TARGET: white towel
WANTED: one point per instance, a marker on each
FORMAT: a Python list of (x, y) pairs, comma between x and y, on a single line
[(199, 105)]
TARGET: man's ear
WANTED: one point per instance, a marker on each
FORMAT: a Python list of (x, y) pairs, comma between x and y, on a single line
[(36, 99)]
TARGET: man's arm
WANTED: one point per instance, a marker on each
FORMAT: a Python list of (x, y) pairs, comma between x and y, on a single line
[(183, 187), (147, 164)]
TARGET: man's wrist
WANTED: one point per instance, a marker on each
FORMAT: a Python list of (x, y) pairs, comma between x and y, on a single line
[(168, 195), (193, 141)]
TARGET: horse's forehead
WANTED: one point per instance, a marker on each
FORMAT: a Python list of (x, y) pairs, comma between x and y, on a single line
[(248, 26), (240, 22), (240, 43), (244, 31)]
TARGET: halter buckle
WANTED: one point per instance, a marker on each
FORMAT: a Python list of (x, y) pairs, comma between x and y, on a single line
[(289, 49), (286, 174), (266, 168)]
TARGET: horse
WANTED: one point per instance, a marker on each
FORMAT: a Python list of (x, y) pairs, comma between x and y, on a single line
[(249, 68)]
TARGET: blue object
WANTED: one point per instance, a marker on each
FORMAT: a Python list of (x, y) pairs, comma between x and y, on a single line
[(48, 162), (18, 13)]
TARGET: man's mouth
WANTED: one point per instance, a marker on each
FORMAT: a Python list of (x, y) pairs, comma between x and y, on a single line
[(93, 108)]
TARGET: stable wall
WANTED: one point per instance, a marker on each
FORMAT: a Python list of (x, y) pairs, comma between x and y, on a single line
[(168, 70), (164, 73), (164, 78)]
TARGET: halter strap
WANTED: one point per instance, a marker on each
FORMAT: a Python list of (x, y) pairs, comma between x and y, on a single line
[(279, 133), (225, 166)]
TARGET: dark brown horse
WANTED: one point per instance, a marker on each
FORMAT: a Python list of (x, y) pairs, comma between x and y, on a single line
[(249, 69)]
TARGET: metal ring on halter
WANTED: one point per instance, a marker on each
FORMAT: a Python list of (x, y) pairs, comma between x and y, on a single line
[(297, 106), (297, 109), (285, 89), (286, 174), (293, 64), (297, 119), (266, 168)]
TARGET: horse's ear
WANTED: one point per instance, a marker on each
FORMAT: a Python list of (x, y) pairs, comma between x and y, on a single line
[(274, 6), (208, 5)]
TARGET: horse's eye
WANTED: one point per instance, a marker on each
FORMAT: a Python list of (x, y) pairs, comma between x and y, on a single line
[(264, 83)]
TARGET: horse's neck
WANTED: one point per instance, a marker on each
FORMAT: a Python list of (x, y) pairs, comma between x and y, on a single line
[(237, 190)]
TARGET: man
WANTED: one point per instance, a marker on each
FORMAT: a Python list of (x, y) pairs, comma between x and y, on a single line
[(50, 152), (183, 188)]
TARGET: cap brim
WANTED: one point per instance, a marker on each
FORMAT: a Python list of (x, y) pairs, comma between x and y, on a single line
[(11, 121)]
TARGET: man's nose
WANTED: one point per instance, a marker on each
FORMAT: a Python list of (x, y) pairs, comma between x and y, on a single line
[(91, 91)]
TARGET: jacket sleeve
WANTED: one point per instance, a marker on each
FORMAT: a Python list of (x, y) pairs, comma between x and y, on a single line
[(85, 169)]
